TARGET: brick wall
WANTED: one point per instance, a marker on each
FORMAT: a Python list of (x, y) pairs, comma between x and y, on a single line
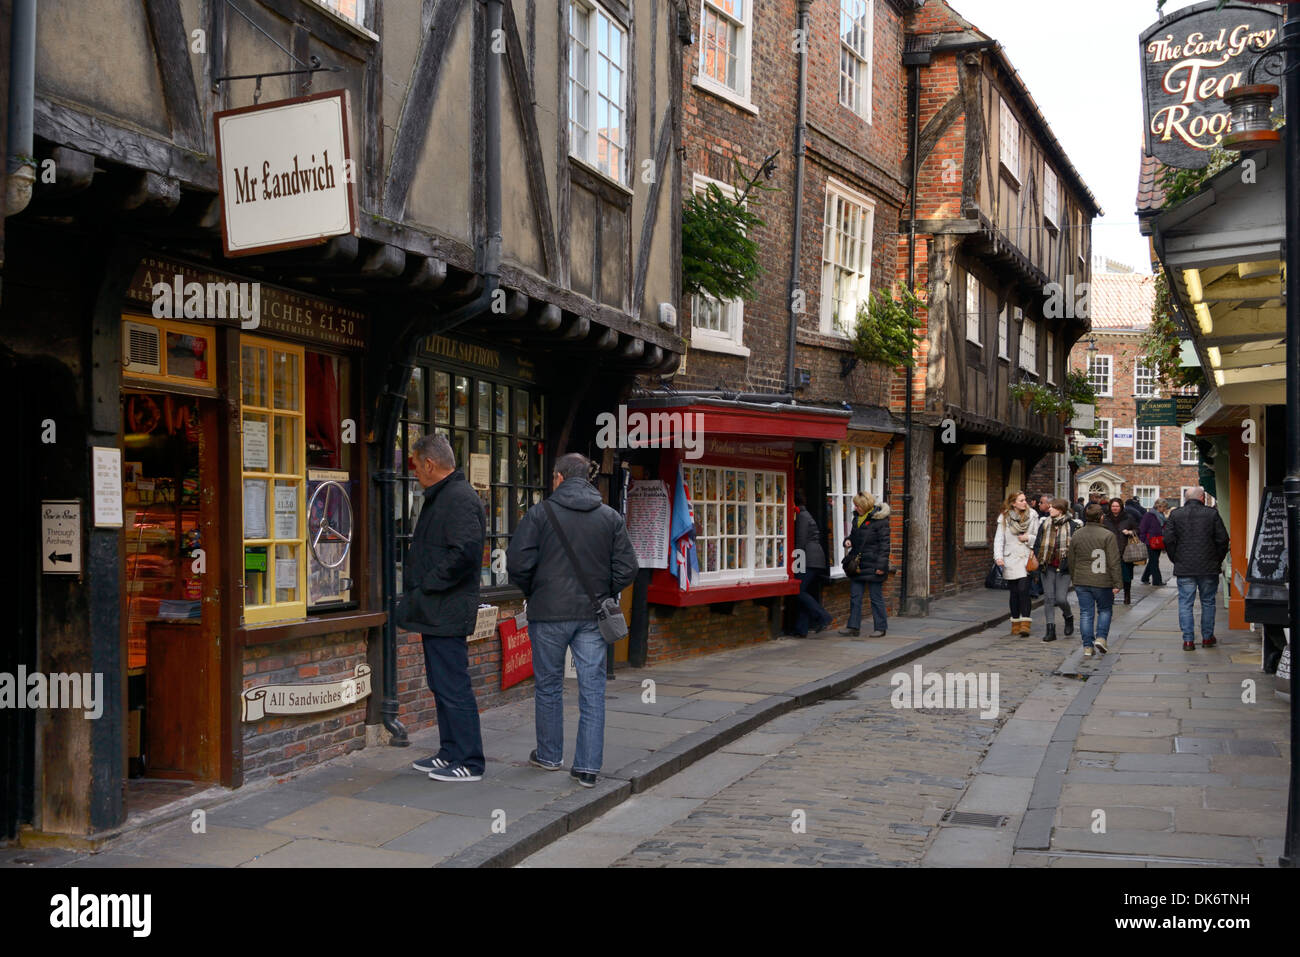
[(685, 632), (1170, 475), (280, 744)]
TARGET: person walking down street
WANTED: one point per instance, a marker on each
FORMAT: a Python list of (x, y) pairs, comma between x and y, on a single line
[(1197, 542), (441, 585), (1044, 505), (1151, 531), (1121, 523), (816, 570), (1052, 546), (1012, 546), (1095, 567), (1078, 507), (870, 541), (560, 613)]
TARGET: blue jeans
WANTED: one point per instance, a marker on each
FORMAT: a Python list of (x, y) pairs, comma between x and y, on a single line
[(549, 640), (857, 588), (446, 667), (1094, 602), (811, 611), (1188, 586)]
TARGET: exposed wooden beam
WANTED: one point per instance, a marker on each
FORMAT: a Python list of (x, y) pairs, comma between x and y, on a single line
[(172, 47)]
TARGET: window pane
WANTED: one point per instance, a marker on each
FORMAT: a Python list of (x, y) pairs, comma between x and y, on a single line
[(521, 412), (415, 395), (286, 444), (286, 381), (501, 405), (461, 409), (483, 409), (253, 375), (502, 470), (286, 572)]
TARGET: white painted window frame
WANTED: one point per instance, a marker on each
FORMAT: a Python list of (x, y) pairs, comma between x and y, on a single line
[(837, 192), (731, 342), (1051, 196), (1109, 391), (1028, 351), (974, 315), (975, 482), (740, 94), (1008, 139), (865, 60), (1051, 357), (850, 474), (1108, 438), (1188, 440), (591, 155), (1155, 457)]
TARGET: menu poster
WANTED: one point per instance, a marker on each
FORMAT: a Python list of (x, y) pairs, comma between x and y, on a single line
[(106, 472), (1268, 555), (255, 508), (256, 446), (286, 573), (480, 470), (286, 511), (647, 522)]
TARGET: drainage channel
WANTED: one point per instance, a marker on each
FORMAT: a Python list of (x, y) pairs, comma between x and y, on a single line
[(1147, 858)]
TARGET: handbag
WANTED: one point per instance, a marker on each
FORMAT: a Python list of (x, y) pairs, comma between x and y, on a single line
[(994, 578), (852, 565), (609, 615), (1135, 553), (1031, 565), (1157, 542)]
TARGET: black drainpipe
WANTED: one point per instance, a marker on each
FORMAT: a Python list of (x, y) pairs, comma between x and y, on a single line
[(393, 396), (800, 136), (914, 61)]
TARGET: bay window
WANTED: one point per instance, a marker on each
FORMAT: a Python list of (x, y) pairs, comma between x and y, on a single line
[(740, 523)]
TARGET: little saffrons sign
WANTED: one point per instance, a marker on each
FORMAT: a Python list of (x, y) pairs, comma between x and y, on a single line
[(286, 174), (1189, 60)]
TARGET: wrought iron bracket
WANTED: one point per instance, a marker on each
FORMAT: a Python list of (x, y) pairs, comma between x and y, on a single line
[(257, 91)]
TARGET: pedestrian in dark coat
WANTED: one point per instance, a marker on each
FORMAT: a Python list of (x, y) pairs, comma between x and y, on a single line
[(1121, 523), (440, 601), (1197, 542), (561, 616), (869, 540), (1151, 530), (815, 570)]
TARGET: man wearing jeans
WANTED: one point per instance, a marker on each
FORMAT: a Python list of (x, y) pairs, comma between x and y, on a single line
[(560, 613), (1095, 567), (1197, 542)]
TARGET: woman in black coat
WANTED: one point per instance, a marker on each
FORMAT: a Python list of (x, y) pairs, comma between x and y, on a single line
[(869, 540), (808, 541), (1120, 522)]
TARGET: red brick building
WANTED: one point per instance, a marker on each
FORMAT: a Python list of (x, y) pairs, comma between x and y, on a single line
[(1149, 462)]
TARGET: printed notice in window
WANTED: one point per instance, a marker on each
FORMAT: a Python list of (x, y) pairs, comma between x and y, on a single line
[(256, 448), (647, 523)]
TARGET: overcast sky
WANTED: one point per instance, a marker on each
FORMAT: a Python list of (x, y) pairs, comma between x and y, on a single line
[(1080, 62)]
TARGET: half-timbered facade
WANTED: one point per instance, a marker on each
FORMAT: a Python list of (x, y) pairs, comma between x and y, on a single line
[(1003, 225), (515, 173)]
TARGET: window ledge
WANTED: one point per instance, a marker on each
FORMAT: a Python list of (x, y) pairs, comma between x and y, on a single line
[(289, 630), (707, 343), (707, 85), (605, 177), (979, 547), (827, 340)]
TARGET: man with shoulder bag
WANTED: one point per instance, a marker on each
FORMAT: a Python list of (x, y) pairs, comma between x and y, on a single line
[(571, 557)]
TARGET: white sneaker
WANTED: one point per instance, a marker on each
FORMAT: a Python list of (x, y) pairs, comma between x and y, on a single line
[(1087, 651), (1100, 645)]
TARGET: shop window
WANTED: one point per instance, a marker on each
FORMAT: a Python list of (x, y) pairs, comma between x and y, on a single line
[(497, 431), (977, 500), (740, 518), (158, 350), (852, 469), (273, 467)]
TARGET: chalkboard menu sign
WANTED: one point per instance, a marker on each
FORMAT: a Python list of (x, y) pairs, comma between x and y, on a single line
[(1268, 556)]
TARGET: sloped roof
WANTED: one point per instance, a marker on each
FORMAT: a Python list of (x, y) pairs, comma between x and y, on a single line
[(1150, 197), (1122, 300)]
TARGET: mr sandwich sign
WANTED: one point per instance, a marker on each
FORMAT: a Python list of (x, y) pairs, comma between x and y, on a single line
[(286, 174)]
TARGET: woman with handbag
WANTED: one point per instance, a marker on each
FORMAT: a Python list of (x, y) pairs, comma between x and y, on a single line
[(1151, 531), (1013, 552), (867, 563), (1052, 548), (1124, 527)]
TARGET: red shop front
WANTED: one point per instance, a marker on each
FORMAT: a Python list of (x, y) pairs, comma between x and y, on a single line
[(737, 462)]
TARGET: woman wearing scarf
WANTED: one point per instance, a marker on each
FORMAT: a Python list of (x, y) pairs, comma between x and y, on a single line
[(1053, 550), (1120, 523), (869, 540), (1012, 546)]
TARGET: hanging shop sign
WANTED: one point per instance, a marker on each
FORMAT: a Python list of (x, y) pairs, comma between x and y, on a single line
[(286, 174), (1158, 412), (1189, 60), (185, 291), (257, 703), (1186, 406)]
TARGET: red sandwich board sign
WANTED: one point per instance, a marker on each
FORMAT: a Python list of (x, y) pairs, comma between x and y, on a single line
[(516, 651)]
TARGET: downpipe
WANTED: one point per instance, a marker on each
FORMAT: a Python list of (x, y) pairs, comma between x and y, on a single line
[(800, 138), (394, 395), (20, 164)]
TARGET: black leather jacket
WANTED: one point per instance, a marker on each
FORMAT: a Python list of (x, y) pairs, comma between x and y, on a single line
[(441, 574)]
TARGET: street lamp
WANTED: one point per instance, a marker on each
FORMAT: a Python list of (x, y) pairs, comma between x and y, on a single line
[(1252, 128)]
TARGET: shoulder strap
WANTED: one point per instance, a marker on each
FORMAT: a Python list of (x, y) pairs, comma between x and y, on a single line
[(568, 550)]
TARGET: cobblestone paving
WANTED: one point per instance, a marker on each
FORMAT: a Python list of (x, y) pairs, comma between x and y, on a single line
[(872, 780)]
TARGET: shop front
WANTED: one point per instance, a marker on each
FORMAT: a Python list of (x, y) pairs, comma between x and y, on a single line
[(243, 488), (738, 464)]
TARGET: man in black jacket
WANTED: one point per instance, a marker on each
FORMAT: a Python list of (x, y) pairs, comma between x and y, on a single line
[(560, 613), (441, 581), (1197, 542)]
